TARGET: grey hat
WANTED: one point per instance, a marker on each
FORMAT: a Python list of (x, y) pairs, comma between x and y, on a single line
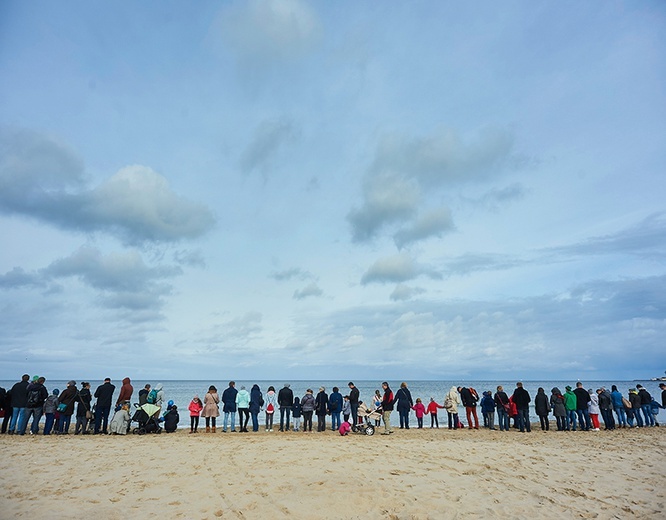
[(71, 383)]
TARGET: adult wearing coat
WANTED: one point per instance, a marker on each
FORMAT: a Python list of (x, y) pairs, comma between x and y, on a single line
[(559, 409), (68, 398), (542, 408), (403, 403), (635, 410), (18, 402), (646, 399), (335, 408), (582, 407), (211, 409), (83, 410), (285, 401), (104, 395), (243, 405), (308, 405), (451, 404), (502, 404), (229, 406), (321, 408), (256, 402), (126, 391), (521, 399), (469, 399)]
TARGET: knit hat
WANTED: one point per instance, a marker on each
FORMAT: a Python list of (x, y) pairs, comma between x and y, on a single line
[(567, 388)]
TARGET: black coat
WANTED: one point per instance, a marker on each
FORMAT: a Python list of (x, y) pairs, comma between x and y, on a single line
[(19, 393), (321, 403), (521, 398), (84, 400), (403, 399), (541, 404), (467, 397), (582, 398), (104, 394), (285, 397), (256, 399), (171, 420)]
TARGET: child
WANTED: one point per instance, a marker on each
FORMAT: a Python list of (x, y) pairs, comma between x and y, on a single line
[(432, 410), (120, 421), (377, 400), (346, 408), (271, 405), (171, 419), (195, 409), (345, 428), (488, 410), (420, 410), (50, 406), (296, 413)]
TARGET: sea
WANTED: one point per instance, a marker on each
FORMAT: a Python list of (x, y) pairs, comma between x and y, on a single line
[(182, 391)]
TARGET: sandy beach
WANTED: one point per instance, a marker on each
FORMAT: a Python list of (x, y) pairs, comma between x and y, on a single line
[(414, 474)]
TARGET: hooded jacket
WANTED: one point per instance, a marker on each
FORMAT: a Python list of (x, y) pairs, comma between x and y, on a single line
[(557, 402), (487, 403), (19, 394), (541, 404), (570, 400), (125, 391), (84, 398), (195, 408), (229, 399), (452, 400), (593, 405), (68, 397), (308, 403), (256, 399), (159, 400), (211, 408), (635, 401), (243, 398)]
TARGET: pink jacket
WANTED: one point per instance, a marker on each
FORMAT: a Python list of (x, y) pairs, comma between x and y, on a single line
[(419, 409), (195, 408)]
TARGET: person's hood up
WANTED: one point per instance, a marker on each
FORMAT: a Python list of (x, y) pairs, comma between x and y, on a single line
[(158, 386), (255, 387), (555, 391), (126, 381)]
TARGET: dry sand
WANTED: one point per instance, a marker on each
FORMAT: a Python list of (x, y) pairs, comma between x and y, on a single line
[(415, 474)]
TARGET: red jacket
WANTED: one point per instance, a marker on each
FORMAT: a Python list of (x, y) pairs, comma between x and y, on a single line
[(432, 407), (125, 391), (195, 408), (419, 409)]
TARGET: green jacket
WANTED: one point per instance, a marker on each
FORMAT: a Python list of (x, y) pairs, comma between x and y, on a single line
[(570, 400)]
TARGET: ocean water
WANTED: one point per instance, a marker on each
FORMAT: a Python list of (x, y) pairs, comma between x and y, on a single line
[(182, 391)]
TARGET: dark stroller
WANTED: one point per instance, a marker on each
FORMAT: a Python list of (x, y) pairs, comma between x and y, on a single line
[(145, 417)]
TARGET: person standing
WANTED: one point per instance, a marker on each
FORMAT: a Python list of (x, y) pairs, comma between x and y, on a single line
[(593, 408), (83, 411), (307, 407), (37, 395), (354, 396), (488, 410), (321, 408), (195, 408), (582, 408), (559, 409), (646, 399), (68, 398), (403, 401), (243, 405), (618, 406), (50, 407), (229, 406), (605, 403), (143, 394), (211, 409), (387, 408), (432, 410), (542, 408), (126, 391), (19, 401), (663, 394), (335, 408), (271, 404), (451, 404), (635, 410), (285, 402), (521, 399), (256, 402), (104, 395), (469, 398), (502, 403), (571, 404)]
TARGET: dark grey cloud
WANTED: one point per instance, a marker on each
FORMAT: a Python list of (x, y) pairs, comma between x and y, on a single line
[(268, 138), (43, 180), (407, 171)]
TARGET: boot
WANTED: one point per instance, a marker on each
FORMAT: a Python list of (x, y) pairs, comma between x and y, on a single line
[(213, 429), (207, 429)]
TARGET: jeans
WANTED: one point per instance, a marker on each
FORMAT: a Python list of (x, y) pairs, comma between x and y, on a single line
[(524, 420), (489, 420), (647, 412), (81, 424), (17, 417), (36, 413), (48, 423), (502, 418), (284, 411), (226, 419), (335, 420), (571, 420), (621, 416), (63, 423), (545, 424), (269, 421), (255, 421), (453, 420), (434, 420), (561, 423), (607, 416), (297, 423), (584, 419), (102, 418), (403, 413)]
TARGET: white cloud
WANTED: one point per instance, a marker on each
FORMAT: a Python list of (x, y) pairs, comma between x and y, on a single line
[(432, 223), (310, 290), (404, 292), (396, 268)]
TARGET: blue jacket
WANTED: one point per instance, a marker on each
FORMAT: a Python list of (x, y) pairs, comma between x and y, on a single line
[(487, 403), (335, 402)]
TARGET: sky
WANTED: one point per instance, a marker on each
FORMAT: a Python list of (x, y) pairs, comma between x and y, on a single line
[(355, 190)]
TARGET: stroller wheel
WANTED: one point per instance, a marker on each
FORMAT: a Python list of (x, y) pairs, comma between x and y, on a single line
[(141, 431), (369, 430)]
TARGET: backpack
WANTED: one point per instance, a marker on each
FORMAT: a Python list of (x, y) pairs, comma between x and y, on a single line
[(475, 395), (34, 398), (152, 397), (448, 402)]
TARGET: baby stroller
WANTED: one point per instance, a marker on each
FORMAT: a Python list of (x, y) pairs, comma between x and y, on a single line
[(145, 417), (368, 416)]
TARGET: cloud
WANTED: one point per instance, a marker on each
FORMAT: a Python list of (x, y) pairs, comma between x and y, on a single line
[(406, 171), (475, 262), (310, 290), (496, 197), (432, 223), (403, 292), (289, 274), (265, 32), (190, 258), (43, 180), (236, 331), (646, 239), (395, 269), (268, 138), (18, 277)]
